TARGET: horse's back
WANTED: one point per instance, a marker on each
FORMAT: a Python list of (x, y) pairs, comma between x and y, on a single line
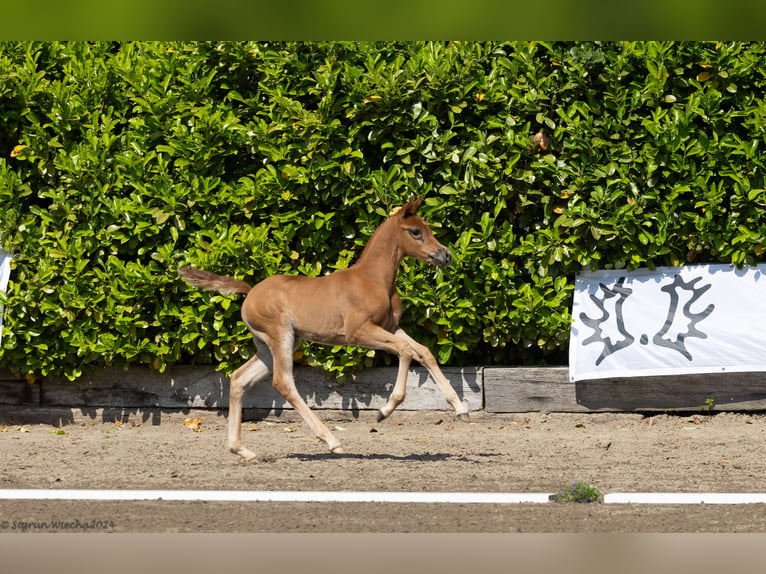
[(294, 300), (317, 308)]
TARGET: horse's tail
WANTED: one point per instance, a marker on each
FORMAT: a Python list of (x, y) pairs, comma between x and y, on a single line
[(213, 282)]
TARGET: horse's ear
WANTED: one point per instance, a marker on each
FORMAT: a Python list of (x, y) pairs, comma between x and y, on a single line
[(412, 206)]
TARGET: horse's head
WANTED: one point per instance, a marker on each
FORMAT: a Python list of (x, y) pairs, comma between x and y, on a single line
[(415, 237)]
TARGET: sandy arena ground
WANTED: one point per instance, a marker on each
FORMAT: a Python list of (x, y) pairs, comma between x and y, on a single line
[(425, 451)]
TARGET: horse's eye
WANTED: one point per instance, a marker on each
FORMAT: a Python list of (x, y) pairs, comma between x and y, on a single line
[(416, 232)]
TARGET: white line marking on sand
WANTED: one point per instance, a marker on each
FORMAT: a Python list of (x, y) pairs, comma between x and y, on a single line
[(275, 496), (373, 496), (685, 498)]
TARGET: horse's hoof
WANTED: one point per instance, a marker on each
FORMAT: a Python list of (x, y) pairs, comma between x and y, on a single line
[(382, 416), (463, 417), (338, 450), (249, 456)]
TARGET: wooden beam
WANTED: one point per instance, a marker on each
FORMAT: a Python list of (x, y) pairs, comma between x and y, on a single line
[(203, 387), (549, 389), (495, 389), (511, 389), (16, 392)]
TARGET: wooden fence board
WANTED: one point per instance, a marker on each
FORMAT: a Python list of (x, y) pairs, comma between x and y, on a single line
[(495, 389), (15, 392), (178, 387), (508, 390), (203, 387), (549, 389)]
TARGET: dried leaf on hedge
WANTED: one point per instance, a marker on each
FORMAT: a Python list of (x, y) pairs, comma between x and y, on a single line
[(17, 150)]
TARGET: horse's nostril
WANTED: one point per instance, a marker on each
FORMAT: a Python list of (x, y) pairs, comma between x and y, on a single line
[(442, 257)]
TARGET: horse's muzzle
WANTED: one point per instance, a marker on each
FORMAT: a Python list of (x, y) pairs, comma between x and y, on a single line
[(441, 257)]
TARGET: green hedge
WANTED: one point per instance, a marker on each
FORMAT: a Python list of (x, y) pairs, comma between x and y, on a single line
[(123, 161)]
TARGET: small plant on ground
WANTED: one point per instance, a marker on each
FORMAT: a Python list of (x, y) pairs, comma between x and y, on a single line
[(708, 406), (578, 492)]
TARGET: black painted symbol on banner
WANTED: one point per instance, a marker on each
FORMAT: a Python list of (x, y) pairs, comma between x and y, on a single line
[(595, 324), (694, 318), (660, 338)]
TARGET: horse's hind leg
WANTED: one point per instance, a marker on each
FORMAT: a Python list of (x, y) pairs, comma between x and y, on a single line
[(252, 372), (284, 384)]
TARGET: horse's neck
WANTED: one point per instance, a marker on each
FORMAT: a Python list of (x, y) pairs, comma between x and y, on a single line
[(380, 258)]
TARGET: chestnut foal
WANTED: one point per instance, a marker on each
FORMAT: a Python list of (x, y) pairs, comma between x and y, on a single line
[(355, 306)]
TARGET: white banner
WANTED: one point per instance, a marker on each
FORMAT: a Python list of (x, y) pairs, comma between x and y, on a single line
[(673, 320), (5, 275)]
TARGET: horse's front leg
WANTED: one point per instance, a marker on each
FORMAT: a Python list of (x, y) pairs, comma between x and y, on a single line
[(400, 388), (374, 336), (424, 356), (406, 348)]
